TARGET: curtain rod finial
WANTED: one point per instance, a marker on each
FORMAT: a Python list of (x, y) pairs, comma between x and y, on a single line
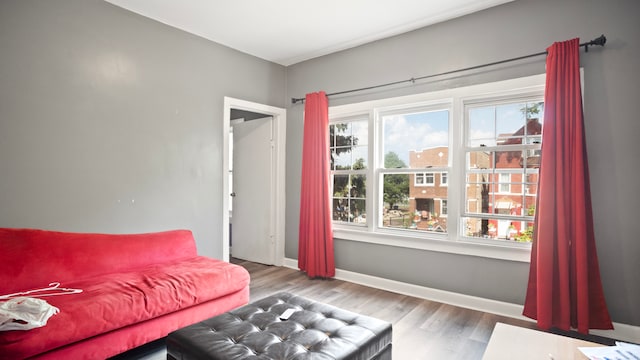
[(600, 40)]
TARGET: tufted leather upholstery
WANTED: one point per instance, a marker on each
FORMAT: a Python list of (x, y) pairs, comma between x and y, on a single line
[(255, 331)]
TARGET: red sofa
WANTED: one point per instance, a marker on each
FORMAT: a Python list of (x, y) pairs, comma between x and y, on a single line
[(136, 288)]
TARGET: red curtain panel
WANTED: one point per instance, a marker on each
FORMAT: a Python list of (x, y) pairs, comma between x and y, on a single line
[(564, 289), (315, 237)]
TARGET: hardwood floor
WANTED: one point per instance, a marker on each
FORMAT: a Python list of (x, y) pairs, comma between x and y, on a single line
[(422, 329)]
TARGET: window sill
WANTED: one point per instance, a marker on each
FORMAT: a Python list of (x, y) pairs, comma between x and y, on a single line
[(469, 247)]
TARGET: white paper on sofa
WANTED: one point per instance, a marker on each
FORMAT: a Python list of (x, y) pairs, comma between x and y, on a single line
[(24, 313)]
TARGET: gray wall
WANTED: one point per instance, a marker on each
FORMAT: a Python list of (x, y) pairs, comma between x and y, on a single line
[(518, 28), (111, 122)]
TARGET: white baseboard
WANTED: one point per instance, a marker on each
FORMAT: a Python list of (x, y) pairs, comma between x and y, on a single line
[(622, 332)]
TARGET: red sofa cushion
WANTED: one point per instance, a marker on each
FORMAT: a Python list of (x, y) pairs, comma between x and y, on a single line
[(113, 301), (34, 258)]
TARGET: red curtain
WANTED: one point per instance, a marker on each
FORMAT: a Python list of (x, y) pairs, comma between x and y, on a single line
[(564, 289), (315, 237)]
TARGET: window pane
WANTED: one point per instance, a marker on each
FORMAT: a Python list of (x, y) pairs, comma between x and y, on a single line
[(341, 158), (517, 159), (505, 124), (531, 158), (340, 186), (534, 113), (360, 132), (416, 140), (349, 156), (358, 187), (482, 127), (340, 209), (395, 192), (349, 198), (501, 185), (479, 160), (510, 123), (507, 159), (484, 196), (348, 143), (478, 198), (487, 228), (412, 206), (353, 158), (359, 158), (357, 211)]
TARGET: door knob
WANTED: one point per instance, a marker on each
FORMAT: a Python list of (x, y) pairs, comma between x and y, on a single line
[(233, 194)]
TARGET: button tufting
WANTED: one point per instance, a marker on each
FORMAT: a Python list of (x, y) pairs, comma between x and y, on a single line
[(311, 331)]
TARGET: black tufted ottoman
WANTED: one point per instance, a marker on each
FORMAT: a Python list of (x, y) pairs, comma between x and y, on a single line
[(255, 331)]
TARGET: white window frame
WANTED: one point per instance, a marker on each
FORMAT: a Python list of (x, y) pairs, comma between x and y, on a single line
[(453, 241)]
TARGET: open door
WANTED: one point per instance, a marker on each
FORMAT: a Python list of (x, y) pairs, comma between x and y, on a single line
[(252, 215), (273, 181)]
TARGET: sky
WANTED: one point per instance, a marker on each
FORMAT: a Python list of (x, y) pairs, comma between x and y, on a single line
[(403, 133)]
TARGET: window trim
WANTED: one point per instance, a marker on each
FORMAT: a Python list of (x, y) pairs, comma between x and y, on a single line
[(456, 99)]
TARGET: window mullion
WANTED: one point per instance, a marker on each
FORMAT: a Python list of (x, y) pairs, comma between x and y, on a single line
[(456, 180), (373, 177)]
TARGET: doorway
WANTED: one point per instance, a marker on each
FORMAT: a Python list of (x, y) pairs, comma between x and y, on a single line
[(259, 175), (251, 180)]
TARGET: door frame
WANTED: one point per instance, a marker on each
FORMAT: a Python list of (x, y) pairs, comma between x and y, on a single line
[(278, 200)]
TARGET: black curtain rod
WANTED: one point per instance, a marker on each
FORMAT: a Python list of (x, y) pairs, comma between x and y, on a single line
[(601, 40)]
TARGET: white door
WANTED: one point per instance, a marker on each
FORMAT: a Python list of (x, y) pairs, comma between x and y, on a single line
[(251, 220)]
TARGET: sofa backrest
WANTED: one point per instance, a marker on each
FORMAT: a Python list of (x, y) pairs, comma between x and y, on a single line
[(31, 259)]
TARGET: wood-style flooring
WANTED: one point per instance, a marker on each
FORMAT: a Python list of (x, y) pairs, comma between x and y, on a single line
[(422, 329)]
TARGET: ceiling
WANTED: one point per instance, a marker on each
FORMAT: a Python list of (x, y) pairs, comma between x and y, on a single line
[(290, 31)]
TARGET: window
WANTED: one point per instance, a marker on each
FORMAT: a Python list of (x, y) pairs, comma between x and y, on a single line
[(458, 165), (412, 139), (503, 142), (349, 154)]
